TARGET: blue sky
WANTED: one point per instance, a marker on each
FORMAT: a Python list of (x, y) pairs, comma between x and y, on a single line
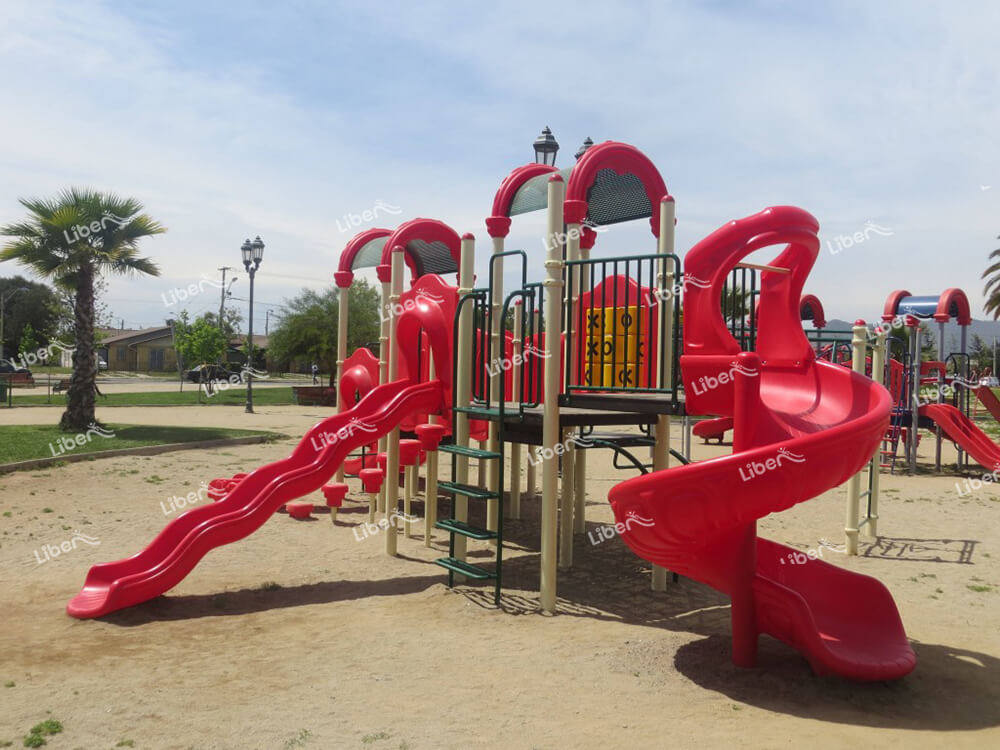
[(230, 120)]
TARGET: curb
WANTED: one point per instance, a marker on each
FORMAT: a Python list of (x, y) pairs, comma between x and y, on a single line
[(144, 450)]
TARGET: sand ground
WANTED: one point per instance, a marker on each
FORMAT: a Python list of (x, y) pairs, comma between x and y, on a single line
[(305, 635)]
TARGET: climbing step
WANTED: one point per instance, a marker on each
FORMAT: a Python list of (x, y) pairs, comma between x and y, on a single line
[(463, 568), (461, 450), (460, 527), (456, 488)]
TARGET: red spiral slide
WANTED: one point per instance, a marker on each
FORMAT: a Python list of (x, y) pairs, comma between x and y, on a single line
[(801, 427)]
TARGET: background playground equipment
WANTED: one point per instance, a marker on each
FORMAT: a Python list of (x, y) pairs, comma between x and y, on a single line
[(437, 378)]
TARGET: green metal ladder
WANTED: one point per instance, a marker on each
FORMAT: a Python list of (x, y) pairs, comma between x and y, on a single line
[(455, 527)]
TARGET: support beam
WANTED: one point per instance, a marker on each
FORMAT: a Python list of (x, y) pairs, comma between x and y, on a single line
[(463, 385), (566, 504), (552, 284), (858, 346), (343, 292), (391, 483)]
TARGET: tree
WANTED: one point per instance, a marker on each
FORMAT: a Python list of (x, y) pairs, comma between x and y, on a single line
[(29, 342), (35, 303), (992, 288), (72, 239), (308, 330), (200, 342)]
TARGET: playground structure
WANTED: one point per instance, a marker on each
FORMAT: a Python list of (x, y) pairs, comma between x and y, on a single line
[(485, 373)]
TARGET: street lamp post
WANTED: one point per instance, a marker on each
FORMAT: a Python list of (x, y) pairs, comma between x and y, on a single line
[(253, 253)]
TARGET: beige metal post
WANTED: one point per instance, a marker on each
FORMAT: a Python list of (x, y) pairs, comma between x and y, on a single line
[(385, 309), (515, 375), (566, 504), (550, 416), (391, 483), (874, 466), (858, 341), (343, 293), (409, 479), (463, 385), (665, 363), (431, 484)]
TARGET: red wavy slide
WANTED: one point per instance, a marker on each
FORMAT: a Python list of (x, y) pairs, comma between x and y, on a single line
[(962, 430), (188, 538), (801, 427)]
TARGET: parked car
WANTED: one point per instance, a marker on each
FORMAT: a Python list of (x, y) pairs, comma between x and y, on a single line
[(212, 373), (9, 366), (101, 364)]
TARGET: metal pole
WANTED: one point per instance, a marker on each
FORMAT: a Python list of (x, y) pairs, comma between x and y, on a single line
[(582, 280), (530, 476), (516, 381), (385, 308), (915, 362), (665, 362), (498, 353), (249, 373), (392, 441), (940, 398), (550, 416), (878, 375), (463, 384), (858, 341), (343, 300), (222, 295)]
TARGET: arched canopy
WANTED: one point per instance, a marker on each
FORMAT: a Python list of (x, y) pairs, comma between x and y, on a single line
[(364, 250), (614, 181), (951, 304), (429, 247), (810, 308)]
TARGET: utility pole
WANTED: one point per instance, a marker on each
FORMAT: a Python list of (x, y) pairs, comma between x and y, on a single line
[(994, 373), (222, 300)]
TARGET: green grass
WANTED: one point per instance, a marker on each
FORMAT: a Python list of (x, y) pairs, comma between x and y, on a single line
[(280, 396), (25, 442)]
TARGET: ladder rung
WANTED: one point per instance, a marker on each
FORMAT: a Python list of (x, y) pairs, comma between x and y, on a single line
[(468, 490), (461, 527), (461, 450), (463, 568)]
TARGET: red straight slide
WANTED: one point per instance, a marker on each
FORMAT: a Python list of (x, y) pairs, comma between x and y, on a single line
[(988, 399), (962, 430), (186, 539), (801, 427)]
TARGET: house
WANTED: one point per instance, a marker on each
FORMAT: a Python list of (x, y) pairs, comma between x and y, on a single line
[(235, 356), (146, 350)]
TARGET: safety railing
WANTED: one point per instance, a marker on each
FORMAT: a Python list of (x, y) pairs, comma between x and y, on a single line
[(613, 313)]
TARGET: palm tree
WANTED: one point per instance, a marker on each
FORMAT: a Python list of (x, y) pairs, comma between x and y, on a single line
[(71, 239), (992, 289)]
